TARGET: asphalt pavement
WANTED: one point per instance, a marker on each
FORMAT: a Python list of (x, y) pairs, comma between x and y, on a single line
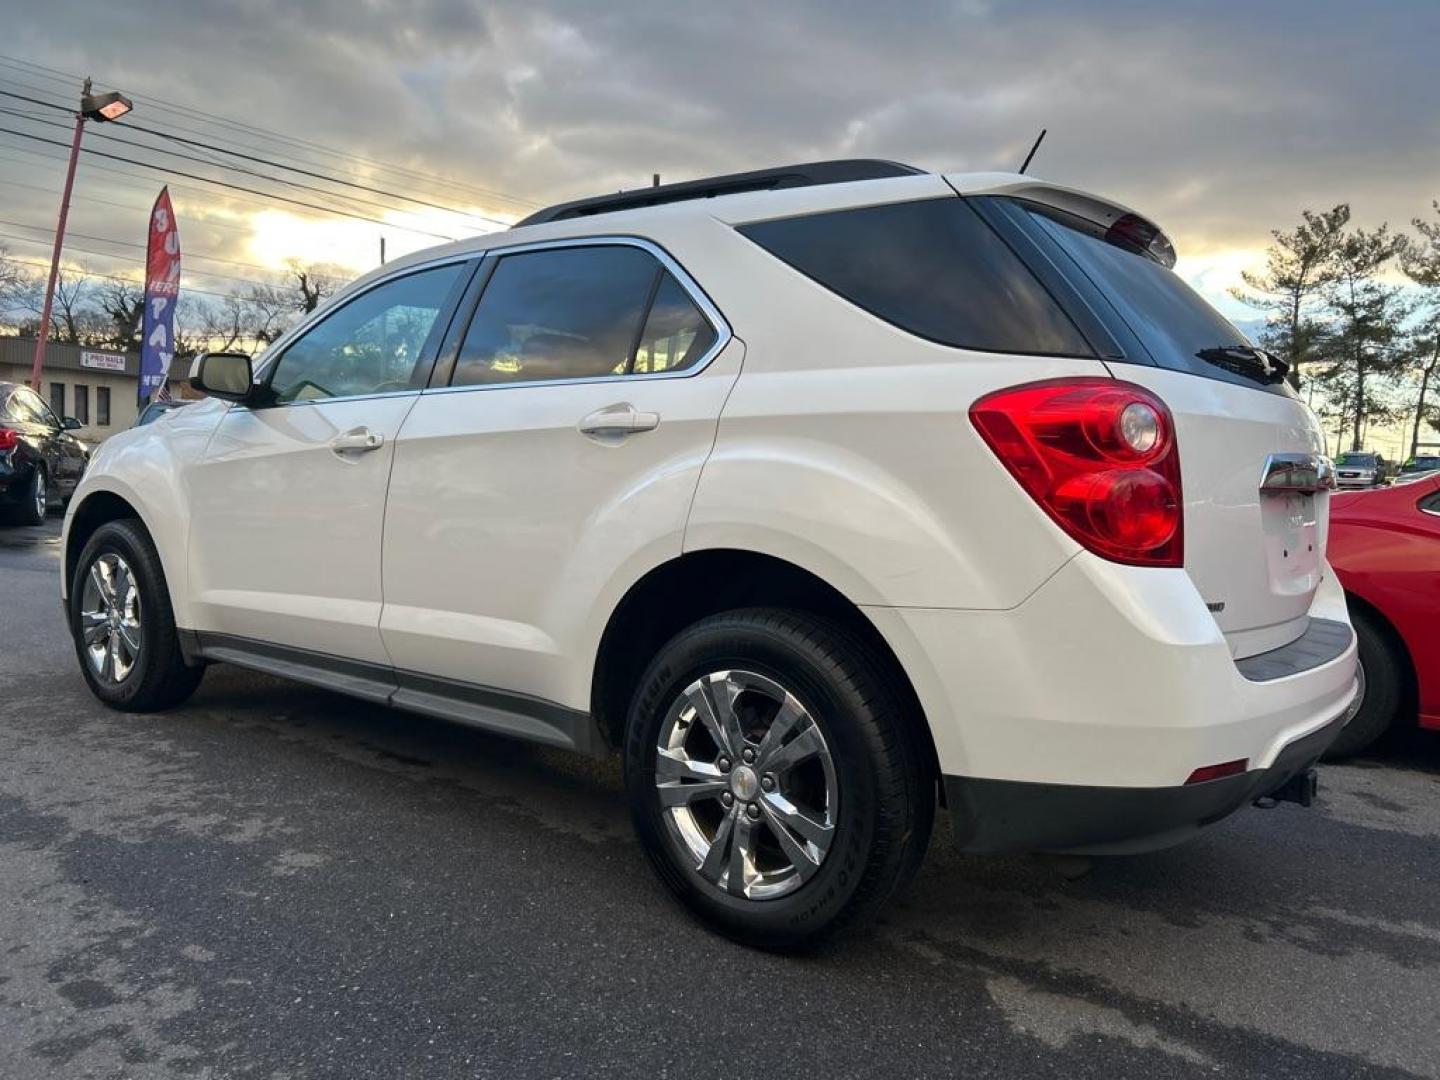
[(274, 881)]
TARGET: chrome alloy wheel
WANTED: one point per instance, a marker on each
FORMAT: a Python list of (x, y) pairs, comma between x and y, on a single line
[(110, 618), (746, 784), (42, 494)]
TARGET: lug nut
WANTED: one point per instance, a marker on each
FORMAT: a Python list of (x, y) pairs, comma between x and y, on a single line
[(724, 764), (748, 755), (767, 782), (753, 810), (726, 799)]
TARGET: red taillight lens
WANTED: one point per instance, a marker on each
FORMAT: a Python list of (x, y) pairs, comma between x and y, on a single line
[(1099, 456), (9, 439)]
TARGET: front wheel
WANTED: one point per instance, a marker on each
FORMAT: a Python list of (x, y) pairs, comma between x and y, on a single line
[(776, 783), (122, 623)]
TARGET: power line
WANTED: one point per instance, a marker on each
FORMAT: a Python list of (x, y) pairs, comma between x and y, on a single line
[(230, 167), (112, 255), (135, 244), (234, 187), (185, 215), (69, 79), (132, 281), (250, 172)]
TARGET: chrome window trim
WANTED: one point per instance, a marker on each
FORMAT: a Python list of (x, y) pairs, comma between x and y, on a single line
[(717, 321)]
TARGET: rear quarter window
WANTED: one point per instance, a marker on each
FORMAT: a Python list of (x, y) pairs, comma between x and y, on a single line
[(933, 268)]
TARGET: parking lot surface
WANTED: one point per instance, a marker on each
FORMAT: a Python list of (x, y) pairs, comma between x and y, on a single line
[(274, 881)]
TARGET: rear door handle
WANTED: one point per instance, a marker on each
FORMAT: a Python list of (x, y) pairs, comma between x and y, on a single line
[(357, 440), (618, 421)]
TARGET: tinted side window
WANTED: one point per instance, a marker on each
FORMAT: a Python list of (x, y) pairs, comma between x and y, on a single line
[(562, 313), (676, 333), (933, 268), (369, 346)]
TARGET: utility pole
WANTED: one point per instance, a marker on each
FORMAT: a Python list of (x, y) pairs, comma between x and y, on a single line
[(99, 107)]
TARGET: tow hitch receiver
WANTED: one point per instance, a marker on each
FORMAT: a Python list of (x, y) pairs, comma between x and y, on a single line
[(1300, 788)]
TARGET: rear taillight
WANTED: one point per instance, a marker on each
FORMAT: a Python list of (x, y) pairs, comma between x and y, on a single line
[(9, 439), (1099, 456)]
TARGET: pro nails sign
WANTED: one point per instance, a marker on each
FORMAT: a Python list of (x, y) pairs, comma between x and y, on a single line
[(162, 290)]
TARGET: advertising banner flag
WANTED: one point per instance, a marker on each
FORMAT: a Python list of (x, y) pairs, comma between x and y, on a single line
[(162, 290)]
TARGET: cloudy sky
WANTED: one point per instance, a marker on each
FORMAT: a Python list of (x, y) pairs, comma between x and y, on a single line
[(1221, 120)]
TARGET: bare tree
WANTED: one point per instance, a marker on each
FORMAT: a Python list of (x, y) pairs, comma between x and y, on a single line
[(1298, 267), (314, 284), (123, 304)]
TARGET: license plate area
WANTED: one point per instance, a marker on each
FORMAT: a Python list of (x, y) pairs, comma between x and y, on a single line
[(1292, 541)]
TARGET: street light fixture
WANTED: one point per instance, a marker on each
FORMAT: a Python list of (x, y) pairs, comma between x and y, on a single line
[(101, 108), (108, 106)]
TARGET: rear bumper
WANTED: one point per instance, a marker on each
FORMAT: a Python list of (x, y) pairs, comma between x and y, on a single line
[(992, 816)]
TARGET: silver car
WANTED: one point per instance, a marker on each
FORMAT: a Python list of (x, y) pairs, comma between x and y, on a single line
[(1354, 470)]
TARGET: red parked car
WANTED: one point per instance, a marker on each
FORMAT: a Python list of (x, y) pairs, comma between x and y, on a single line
[(1385, 547)]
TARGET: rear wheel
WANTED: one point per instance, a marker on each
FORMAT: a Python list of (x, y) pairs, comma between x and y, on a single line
[(1381, 690), (775, 782), (122, 623), (35, 503)]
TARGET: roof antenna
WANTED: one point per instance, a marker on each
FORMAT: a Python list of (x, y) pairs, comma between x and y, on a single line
[(1038, 140)]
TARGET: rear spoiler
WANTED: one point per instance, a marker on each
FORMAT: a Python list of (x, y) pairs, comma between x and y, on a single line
[(1119, 223)]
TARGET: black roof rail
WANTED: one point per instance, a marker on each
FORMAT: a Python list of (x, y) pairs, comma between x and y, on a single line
[(784, 176)]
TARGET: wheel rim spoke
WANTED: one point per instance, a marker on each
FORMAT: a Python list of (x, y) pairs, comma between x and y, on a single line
[(713, 699), (95, 626), (714, 862), (741, 868), (783, 814), (804, 746), (130, 635)]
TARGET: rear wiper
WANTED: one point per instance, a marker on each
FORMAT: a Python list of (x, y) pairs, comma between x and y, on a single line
[(1259, 364)]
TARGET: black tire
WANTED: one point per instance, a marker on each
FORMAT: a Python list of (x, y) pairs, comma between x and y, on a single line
[(1383, 690), (35, 503), (159, 677), (882, 770)]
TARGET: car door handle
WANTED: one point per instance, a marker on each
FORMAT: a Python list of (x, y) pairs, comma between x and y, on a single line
[(361, 440), (618, 420)]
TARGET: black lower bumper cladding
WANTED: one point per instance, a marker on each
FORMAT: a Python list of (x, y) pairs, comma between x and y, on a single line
[(993, 816)]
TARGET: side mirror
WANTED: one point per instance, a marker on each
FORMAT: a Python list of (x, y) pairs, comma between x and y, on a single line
[(223, 375), (71, 424)]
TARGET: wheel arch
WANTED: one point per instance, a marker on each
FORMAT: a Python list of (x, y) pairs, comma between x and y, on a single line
[(96, 508), (697, 584)]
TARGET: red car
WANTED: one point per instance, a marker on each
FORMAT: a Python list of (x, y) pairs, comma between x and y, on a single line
[(1385, 547)]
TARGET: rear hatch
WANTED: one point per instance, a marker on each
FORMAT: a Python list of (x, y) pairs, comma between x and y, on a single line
[(1255, 556)]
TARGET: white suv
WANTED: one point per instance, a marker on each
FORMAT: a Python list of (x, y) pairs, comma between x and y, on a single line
[(823, 494)]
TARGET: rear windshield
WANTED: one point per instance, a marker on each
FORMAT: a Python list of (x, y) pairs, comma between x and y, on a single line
[(930, 267), (1178, 328)]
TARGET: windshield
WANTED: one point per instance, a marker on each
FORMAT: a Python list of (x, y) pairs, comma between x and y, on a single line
[(1355, 459), (1175, 325)]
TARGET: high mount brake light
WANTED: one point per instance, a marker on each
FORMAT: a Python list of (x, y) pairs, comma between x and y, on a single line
[(1100, 457), (1131, 230)]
